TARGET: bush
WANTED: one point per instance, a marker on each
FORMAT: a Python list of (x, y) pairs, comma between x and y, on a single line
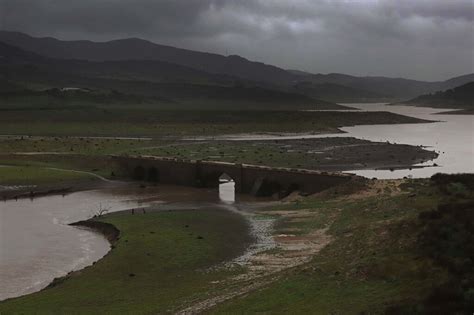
[(448, 238)]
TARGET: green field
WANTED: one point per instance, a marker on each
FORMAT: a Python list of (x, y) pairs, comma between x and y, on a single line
[(116, 120), (99, 165), (32, 175), (70, 145)]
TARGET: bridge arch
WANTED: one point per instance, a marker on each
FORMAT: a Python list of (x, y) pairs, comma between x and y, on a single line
[(265, 187), (139, 173), (153, 175), (211, 174), (224, 177), (292, 187)]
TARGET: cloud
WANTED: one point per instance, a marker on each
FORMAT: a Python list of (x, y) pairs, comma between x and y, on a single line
[(426, 39)]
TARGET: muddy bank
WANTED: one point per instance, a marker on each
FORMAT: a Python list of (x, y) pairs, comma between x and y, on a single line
[(469, 111), (109, 231), (37, 191)]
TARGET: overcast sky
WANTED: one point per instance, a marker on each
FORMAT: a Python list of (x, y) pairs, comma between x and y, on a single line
[(421, 39)]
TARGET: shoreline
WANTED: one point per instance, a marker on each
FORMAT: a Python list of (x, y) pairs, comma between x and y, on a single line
[(107, 230), (49, 190)]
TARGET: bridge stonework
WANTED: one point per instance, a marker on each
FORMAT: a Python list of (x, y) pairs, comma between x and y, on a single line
[(249, 179)]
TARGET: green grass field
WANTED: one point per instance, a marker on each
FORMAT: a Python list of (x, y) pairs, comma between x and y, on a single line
[(33, 175), (99, 165), (69, 145), (160, 262), (150, 121)]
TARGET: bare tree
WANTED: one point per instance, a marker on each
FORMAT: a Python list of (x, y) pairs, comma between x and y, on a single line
[(101, 211)]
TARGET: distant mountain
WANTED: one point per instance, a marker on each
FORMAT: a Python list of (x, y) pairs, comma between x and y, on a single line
[(337, 93), (388, 87), (459, 97), (146, 70), (155, 79), (138, 49), (458, 81), (298, 72), (330, 87)]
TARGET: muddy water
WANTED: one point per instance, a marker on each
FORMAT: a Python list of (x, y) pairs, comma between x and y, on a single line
[(37, 244)]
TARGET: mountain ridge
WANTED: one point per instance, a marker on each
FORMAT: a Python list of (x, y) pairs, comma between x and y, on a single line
[(139, 49), (368, 88), (147, 78), (459, 97)]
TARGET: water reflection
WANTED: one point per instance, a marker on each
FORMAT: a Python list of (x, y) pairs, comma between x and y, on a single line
[(37, 244), (452, 136)]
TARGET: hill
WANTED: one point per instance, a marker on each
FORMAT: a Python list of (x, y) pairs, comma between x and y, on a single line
[(460, 97), (138, 49), (332, 92), (388, 87), (187, 87), (329, 87)]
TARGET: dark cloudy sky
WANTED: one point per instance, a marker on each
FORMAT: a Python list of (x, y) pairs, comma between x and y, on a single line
[(422, 39)]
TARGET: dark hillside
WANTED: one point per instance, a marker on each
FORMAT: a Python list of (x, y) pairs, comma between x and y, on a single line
[(148, 78), (459, 97), (138, 49)]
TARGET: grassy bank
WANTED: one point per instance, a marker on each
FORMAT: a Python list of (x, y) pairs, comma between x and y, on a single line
[(160, 261), (31, 175), (375, 262), (72, 145), (99, 165)]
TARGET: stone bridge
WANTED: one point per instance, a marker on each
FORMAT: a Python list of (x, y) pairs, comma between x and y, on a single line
[(249, 179)]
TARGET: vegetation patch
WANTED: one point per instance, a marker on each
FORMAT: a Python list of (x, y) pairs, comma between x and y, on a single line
[(31, 175)]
